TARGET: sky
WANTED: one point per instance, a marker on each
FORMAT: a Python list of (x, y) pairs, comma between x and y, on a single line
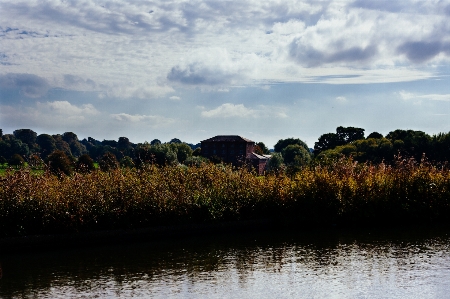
[(264, 70)]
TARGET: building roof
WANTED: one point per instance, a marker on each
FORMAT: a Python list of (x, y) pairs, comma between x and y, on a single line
[(259, 157), (227, 138)]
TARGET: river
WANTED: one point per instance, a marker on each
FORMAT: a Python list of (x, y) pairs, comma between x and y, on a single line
[(407, 263)]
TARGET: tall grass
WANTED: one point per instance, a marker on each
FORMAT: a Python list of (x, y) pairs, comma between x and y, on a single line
[(342, 193)]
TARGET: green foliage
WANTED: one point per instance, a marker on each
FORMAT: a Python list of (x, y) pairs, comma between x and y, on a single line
[(183, 151), (410, 143), (58, 163), (62, 145), (295, 157), (10, 145), (261, 149), (283, 143), (342, 136), (159, 154), (375, 135), (126, 162), (275, 164), (197, 152), (195, 161), (16, 161), (155, 142), (175, 140), (76, 148), (47, 144), (362, 150)]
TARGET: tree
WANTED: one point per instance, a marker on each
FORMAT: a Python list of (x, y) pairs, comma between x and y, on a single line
[(175, 140), (16, 160), (47, 144), (342, 136), (349, 134), (27, 136), (183, 151), (35, 162), (77, 149), (197, 152), (155, 142), (263, 147), (441, 147), (283, 143), (375, 135), (11, 145), (160, 154), (58, 163), (126, 162), (62, 145), (108, 162), (195, 161), (296, 153), (85, 164), (411, 143), (275, 163)]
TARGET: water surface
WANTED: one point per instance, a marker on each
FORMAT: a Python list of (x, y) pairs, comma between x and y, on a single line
[(320, 264)]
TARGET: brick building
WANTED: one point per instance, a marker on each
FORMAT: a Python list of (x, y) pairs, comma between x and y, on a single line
[(234, 149)]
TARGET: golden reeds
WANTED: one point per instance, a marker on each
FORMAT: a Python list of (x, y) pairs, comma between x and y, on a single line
[(342, 193)]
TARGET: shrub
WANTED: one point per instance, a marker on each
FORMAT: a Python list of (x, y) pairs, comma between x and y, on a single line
[(58, 163), (108, 162), (85, 164), (16, 160)]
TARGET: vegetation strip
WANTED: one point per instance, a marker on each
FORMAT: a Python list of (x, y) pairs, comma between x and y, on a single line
[(345, 192)]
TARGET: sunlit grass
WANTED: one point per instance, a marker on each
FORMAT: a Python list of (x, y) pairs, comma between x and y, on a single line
[(342, 193)]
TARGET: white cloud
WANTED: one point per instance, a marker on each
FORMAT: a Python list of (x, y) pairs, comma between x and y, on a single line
[(152, 120), (230, 110), (432, 97), (175, 98), (65, 108), (341, 99)]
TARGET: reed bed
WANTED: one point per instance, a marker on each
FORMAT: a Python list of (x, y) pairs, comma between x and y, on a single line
[(344, 193)]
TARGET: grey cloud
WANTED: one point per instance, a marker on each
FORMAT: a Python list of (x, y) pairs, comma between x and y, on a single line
[(421, 51), (309, 56), (116, 17), (196, 74), (76, 81), (29, 85), (382, 5)]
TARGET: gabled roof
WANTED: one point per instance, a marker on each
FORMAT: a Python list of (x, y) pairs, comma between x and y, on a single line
[(227, 138), (259, 157)]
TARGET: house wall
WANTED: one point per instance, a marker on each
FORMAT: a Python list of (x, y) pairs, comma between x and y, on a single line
[(234, 152)]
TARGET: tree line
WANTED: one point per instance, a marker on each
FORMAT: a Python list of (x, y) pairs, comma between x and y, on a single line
[(67, 153), (350, 142)]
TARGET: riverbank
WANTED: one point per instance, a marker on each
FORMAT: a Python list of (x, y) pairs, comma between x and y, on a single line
[(344, 194)]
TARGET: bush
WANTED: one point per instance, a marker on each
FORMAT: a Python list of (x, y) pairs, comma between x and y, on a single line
[(108, 162), (16, 160), (85, 164), (58, 163)]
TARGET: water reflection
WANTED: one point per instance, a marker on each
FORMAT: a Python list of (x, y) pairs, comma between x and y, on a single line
[(265, 265)]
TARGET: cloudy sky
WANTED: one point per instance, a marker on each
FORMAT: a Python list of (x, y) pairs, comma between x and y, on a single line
[(191, 70)]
